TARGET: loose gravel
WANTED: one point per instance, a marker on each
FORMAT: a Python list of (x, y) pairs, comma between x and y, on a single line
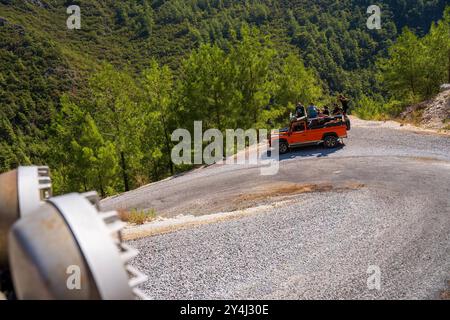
[(319, 247)]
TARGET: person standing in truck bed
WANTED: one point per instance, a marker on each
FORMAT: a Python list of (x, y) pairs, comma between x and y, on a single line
[(344, 101)]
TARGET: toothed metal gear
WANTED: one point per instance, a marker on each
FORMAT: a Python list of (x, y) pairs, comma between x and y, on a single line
[(34, 186), (126, 252), (109, 260), (78, 234)]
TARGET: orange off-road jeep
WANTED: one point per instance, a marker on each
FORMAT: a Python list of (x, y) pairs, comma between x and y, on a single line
[(303, 131)]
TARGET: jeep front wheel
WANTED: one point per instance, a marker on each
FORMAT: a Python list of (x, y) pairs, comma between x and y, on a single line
[(330, 141)]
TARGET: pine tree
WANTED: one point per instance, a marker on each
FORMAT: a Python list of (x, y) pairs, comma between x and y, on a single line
[(117, 113), (404, 70), (295, 83), (209, 90), (444, 38), (157, 84), (95, 159), (251, 57)]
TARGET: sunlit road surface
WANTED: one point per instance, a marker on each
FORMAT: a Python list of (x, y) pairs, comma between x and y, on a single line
[(327, 218)]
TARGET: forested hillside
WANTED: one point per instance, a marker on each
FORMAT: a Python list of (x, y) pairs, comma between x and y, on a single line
[(99, 104)]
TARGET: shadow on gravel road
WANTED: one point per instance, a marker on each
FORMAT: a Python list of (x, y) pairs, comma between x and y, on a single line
[(311, 151)]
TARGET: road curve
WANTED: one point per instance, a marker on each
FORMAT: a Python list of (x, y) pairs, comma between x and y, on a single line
[(382, 200)]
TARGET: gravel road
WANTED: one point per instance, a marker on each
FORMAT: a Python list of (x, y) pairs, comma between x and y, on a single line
[(382, 200), (374, 153)]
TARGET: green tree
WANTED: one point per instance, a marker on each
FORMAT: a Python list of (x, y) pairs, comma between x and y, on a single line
[(440, 44), (251, 57), (66, 126), (295, 83), (158, 91), (417, 66), (403, 71), (94, 159), (81, 158), (209, 90), (117, 113)]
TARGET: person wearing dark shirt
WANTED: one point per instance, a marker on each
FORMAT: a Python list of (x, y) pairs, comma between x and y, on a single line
[(300, 110), (336, 110), (344, 101), (326, 111)]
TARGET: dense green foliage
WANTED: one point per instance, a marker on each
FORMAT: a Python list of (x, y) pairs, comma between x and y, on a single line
[(413, 70), (120, 136), (99, 104)]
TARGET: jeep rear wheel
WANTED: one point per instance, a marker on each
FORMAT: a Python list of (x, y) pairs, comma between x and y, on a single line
[(330, 141), (283, 147), (348, 124)]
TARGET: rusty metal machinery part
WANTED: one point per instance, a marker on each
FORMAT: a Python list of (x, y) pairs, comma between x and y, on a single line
[(21, 192), (70, 231), (9, 211)]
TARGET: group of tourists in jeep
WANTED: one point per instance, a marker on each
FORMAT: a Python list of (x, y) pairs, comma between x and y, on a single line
[(313, 112), (311, 126)]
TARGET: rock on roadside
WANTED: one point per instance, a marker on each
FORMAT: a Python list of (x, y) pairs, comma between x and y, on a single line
[(433, 113)]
